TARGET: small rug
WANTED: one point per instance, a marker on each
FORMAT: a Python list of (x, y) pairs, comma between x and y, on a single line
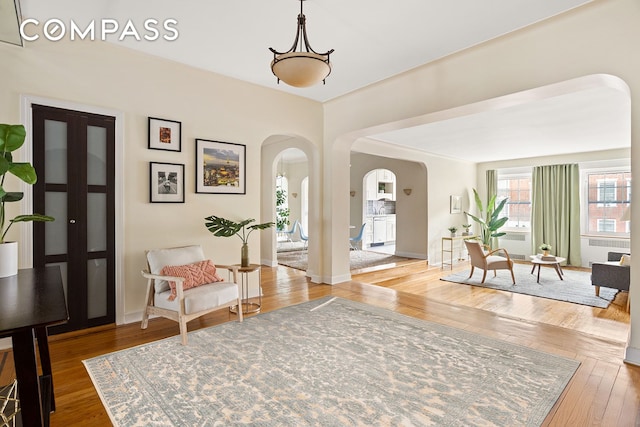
[(330, 362), (358, 259), (575, 288)]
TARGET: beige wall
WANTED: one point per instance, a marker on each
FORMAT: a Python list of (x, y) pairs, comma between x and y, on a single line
[(599, 37), (209, 106)]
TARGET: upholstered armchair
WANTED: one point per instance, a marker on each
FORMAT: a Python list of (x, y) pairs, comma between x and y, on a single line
[(488, 260), (611, 274), (183, 285)]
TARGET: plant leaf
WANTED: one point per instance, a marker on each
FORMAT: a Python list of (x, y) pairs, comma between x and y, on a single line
[(221, 227), (11, 196), (11, 137), (24, 171), (261, 226), (33, 217)]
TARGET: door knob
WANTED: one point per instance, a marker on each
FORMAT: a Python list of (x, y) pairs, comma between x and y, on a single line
[(72, 221)]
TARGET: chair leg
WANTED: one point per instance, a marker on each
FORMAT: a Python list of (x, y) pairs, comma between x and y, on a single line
[(145, 318), (145, 313), (471, 274), (597, 291), (183, 330), (484, 275), (512, 276)]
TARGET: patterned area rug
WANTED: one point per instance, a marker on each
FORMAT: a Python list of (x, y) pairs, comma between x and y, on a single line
[(330, 362), (358, 259), (575, 287)]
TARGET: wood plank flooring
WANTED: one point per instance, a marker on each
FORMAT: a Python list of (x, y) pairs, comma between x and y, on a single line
[(604, 392)]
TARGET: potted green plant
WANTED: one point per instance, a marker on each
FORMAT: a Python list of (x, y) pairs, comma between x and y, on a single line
[(545, 248), (453, 230), (226, 228), (466, 231), (489, 219), (12, 138), (282, 213)]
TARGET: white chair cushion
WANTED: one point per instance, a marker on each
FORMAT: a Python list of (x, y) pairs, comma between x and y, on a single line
[(201, 298), (159, 258)]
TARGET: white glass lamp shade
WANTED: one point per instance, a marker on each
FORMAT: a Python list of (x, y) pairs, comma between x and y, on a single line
[(301, 69)]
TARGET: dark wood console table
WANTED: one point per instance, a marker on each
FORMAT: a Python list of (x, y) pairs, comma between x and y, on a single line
[(29, 302)]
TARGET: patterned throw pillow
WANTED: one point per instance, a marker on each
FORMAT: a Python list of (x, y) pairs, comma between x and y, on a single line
[(197, 274)]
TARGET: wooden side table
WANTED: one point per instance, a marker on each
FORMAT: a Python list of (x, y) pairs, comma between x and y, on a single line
[(248, 306)]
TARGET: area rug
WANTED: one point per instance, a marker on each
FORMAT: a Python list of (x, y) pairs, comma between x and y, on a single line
[(358, 259), (330, 362), (575, 287)]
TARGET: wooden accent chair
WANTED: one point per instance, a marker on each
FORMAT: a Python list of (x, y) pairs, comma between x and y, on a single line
[(488, 260), (192, 290)]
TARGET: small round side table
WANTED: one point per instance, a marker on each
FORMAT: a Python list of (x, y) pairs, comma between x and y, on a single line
[(248, 306)]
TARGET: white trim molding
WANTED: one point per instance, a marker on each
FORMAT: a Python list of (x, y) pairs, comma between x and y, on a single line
[(632, 356)]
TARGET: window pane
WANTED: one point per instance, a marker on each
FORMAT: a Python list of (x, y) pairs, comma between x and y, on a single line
[(518, 207), (608, 195)]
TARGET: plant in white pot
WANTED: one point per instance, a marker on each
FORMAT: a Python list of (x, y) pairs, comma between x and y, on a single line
[(11, 138)]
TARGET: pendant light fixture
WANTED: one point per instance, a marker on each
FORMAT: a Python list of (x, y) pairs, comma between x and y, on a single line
[(304, 67)]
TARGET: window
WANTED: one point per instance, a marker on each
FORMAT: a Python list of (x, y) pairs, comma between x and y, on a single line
[(607, 225), (517, 189), (608, 195), (606, 192)]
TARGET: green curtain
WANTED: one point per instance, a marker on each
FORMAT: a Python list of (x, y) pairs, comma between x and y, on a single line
[(492, 189), (555, 210)]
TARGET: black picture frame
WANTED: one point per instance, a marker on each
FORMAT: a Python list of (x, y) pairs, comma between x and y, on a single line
[(166, 182), (164, 134), (220, 167)]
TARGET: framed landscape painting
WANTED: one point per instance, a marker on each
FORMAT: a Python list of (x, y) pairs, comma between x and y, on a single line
[(165, 134), (220, 167), (166, 183)]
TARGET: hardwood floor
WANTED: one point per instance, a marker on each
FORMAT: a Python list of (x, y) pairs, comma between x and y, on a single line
[(604, 392)]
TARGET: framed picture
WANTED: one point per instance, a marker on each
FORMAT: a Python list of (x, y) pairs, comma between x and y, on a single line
[(165, 134), (455, 204), (220, 167), (166, 183)]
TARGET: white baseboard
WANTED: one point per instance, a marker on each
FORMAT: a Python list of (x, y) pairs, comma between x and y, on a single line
[(334, 280), (632, 356), (411, 255)]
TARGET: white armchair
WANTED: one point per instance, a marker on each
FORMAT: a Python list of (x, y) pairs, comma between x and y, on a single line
[(192, 289)]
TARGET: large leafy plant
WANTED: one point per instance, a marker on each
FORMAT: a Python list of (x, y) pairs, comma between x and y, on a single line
[(489, 219), (282, 213), (12, 138), (226, 228)]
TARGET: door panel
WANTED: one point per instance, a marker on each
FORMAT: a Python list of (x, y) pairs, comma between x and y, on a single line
[(74, 155)]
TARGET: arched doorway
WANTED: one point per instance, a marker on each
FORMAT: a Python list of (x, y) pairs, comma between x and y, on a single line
[(271, 152)]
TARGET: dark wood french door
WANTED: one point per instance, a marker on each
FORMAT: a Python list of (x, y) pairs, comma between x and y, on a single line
[(74, 156)]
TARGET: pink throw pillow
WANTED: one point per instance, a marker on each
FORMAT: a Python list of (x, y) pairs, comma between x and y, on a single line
[(197, 274)]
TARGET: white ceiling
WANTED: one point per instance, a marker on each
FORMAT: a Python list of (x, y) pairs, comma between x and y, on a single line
[(373, 40)]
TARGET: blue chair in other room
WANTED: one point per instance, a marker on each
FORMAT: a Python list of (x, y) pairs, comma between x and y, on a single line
[(291, 232), (303, 235), (356, 242)]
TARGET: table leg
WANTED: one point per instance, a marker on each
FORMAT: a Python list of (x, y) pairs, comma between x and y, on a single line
[(558, 270), (533, 268), (538, 281), (24, 357), (45, 360)]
